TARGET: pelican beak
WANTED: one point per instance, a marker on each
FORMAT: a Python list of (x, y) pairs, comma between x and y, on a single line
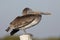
[(45, 13), (41, 13)]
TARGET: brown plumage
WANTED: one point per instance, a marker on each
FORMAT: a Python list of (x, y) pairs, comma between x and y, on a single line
[(22, 21), (27, 20)]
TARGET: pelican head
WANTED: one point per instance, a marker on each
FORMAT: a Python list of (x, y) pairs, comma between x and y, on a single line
[(30, 11), (26, 10)]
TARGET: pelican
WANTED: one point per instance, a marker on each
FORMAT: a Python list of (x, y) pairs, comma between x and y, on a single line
[(27, 20)]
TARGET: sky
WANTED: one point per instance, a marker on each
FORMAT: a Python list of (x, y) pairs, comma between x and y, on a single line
[(49, 25)]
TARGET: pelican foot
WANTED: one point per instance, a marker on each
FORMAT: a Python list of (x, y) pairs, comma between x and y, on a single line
[(28, 34)]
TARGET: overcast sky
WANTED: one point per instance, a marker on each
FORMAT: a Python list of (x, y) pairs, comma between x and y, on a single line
[(49, 25)]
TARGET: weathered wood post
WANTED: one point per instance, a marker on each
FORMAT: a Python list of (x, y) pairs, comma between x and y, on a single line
[(25, 37)]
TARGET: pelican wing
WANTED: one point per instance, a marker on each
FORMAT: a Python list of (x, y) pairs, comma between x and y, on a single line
[(14, 31), (22, 21)]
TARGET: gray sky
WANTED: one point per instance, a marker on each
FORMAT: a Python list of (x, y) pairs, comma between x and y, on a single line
[(49, 25)]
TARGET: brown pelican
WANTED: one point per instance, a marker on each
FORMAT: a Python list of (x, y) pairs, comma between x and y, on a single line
[(27, 20)]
